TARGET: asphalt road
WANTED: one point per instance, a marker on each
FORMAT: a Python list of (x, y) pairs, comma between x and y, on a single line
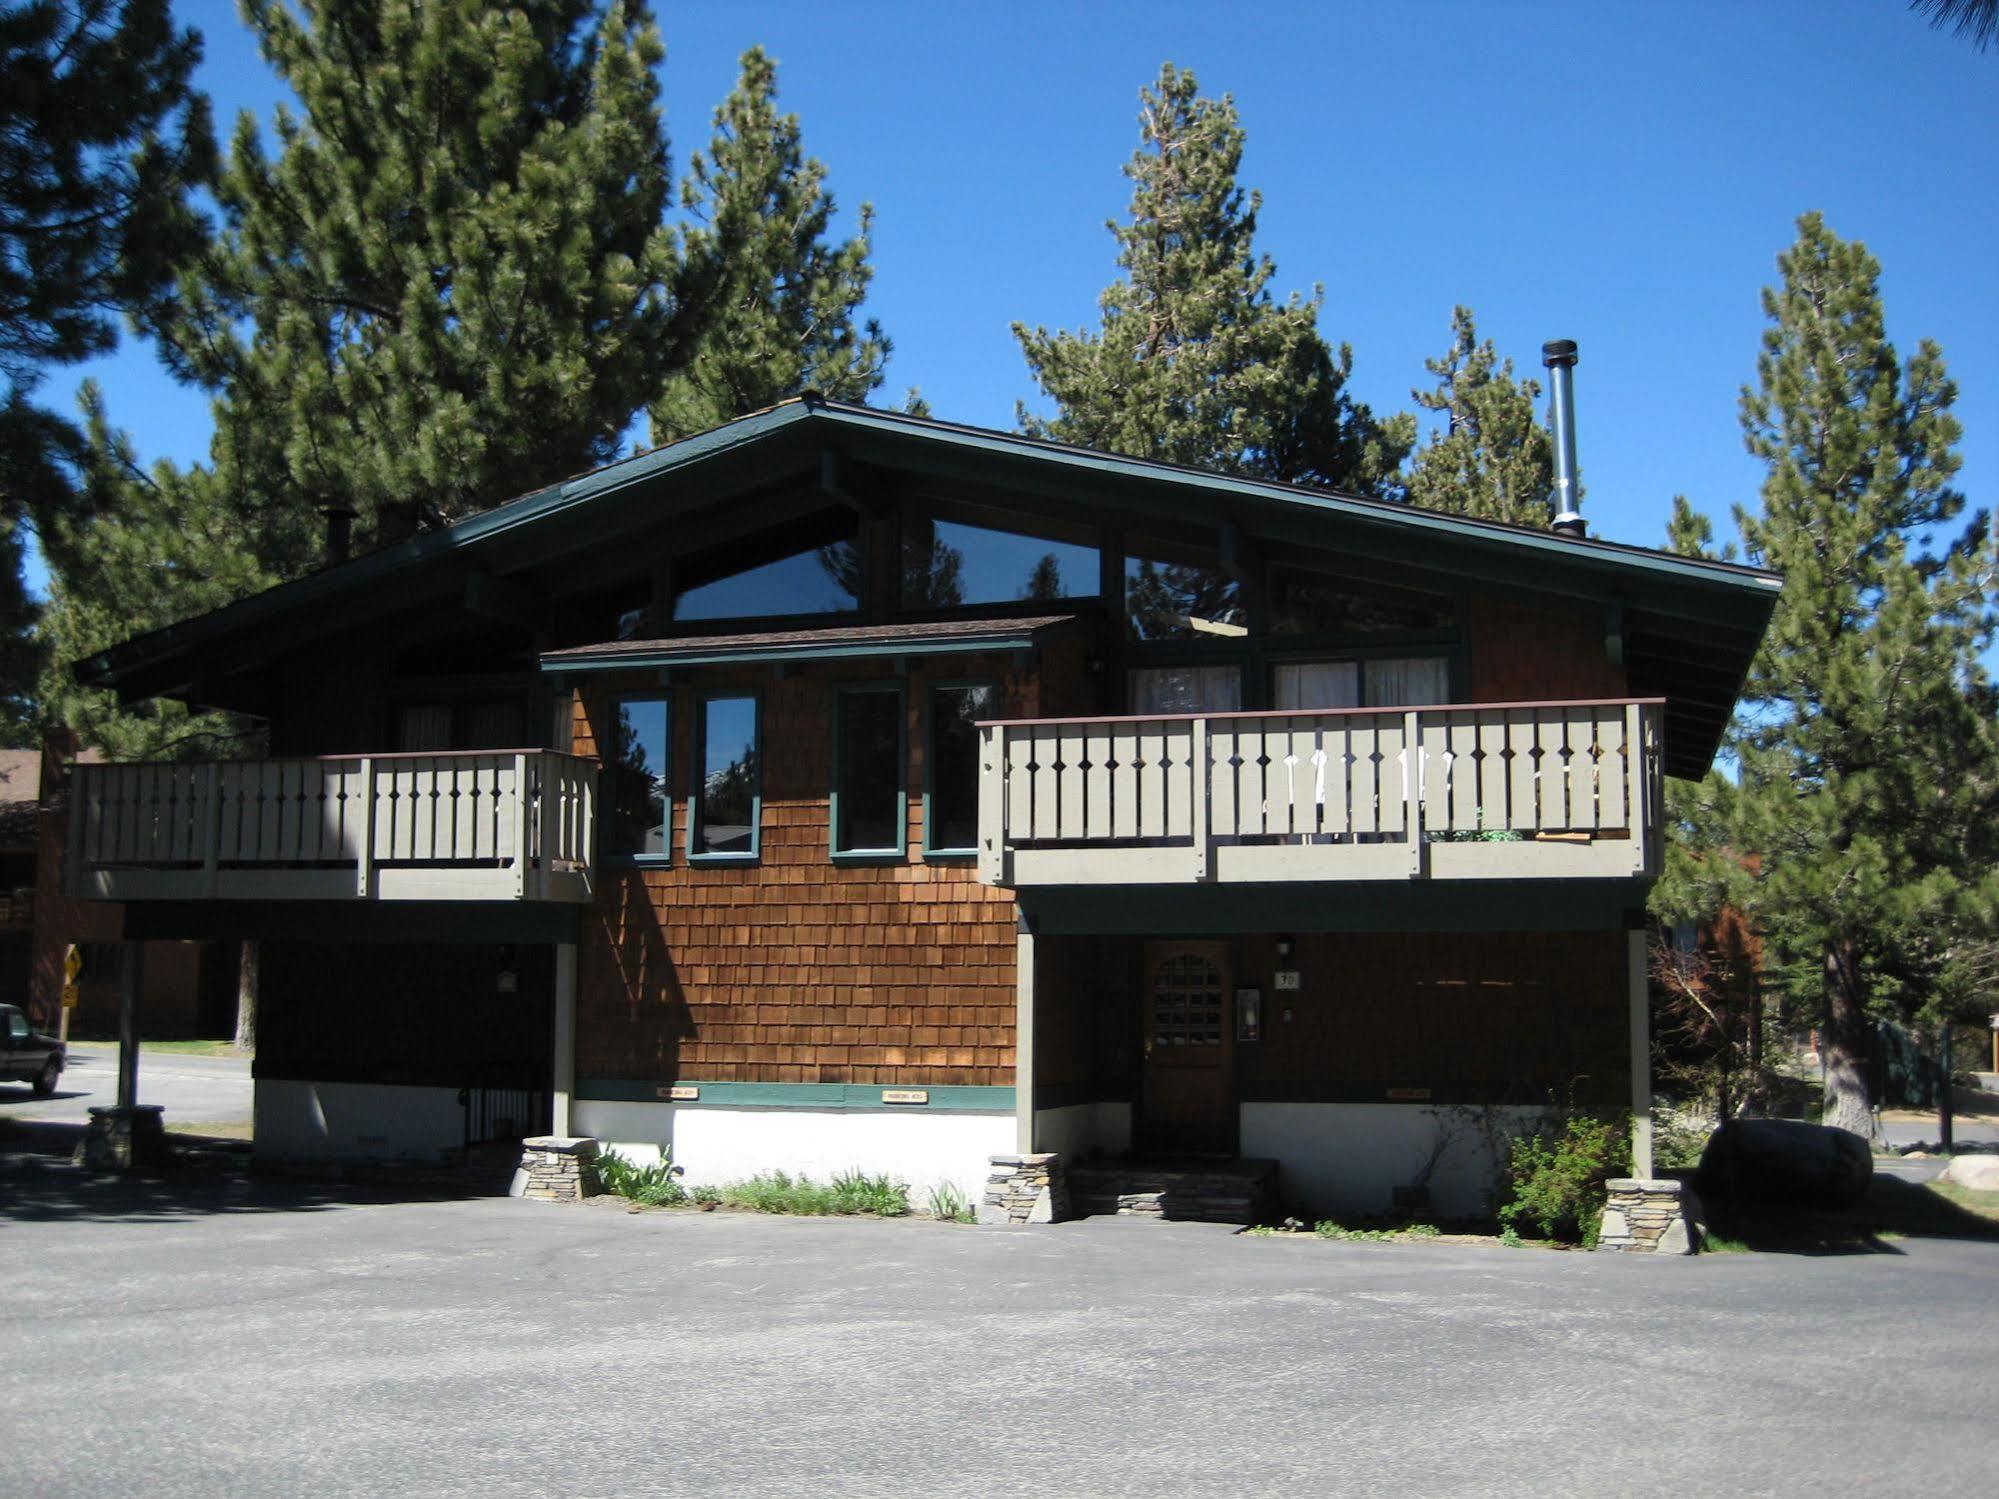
[(212, 1335), (194, 1090)]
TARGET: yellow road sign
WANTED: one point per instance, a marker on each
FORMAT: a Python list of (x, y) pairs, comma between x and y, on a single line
[(72, 964), (69, 996)]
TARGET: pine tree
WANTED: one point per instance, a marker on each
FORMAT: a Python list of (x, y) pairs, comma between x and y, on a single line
[(146, 548), (786, 308), (1869, 778), (1195, 362), (1492, 460), (452, 281), (101, 137)]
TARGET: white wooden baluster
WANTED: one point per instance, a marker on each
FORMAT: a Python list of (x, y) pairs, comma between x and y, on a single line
[(1521, 812), (1196, 780), (364, 863), (1612, 768), (519, 801)]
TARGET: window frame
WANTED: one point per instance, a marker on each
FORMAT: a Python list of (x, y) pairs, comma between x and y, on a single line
[(663, 859), (886, 855), (930, 848), (699, 772)]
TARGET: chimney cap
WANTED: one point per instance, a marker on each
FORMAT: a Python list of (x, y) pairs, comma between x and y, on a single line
[(1558, 351)]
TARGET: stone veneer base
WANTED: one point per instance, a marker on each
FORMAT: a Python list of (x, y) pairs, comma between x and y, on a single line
[(1025, 1189), (1644, 1216), (553, 1168)]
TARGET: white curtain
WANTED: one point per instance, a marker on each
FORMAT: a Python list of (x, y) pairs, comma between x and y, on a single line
[(1317, 684), (1186, 689), (1415, 682)]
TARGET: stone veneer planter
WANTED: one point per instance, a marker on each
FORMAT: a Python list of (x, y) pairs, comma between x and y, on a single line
[(1645, 1216), (1025, 1189), (552, 1168)]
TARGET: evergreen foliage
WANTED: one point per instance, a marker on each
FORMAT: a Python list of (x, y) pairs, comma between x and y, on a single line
[(1195, 362), (1862, 831), (1492, 460), (788, 301), (101, 136), (450, 282)]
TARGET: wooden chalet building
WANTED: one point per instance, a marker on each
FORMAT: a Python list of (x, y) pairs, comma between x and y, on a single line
[(840, 788)]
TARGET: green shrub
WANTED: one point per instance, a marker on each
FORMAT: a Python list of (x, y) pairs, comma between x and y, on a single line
[(707, 1194), (1555, 1182), (656, 1185)]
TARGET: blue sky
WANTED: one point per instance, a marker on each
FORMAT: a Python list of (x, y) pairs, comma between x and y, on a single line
[(1621, 175)]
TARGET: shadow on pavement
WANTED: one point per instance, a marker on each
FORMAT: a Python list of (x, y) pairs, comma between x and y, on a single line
[(1892, 1210), (38, 1183)]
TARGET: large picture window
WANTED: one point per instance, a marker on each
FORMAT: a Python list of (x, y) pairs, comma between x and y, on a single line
[(728, 789), (1170, 594), (870, 806), (948, 563), (638, 760), (1307, 602), (951, 773), (811, 566)]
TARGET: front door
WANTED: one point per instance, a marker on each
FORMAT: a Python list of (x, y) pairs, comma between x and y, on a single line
[(1189, 1102)]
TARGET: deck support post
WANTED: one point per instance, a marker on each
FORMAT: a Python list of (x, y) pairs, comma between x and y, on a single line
[(562, 1086), (133, 958), (1023, 1037), (1639, 994)]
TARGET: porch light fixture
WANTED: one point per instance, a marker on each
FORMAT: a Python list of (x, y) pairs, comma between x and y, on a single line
[(1284, 946)]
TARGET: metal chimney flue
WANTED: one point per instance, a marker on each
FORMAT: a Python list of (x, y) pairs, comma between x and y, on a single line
[(1559, 355)]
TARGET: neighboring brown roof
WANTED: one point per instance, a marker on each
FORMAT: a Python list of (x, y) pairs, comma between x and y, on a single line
[(778, 645)]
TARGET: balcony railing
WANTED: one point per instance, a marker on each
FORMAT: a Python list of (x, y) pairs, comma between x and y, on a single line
[(1488, 791), (480, 825)]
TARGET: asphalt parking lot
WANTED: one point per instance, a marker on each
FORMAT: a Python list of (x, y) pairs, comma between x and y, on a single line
[(213, 1333)]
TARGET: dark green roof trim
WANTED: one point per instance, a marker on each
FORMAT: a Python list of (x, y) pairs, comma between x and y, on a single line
[(741, 655)]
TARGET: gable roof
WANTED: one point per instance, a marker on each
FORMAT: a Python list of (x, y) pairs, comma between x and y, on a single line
[(1688, 627)]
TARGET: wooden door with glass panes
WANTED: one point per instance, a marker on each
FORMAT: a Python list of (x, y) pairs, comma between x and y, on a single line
[(1188, 1103)]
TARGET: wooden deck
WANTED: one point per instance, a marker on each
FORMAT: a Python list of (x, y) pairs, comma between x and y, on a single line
[(1457, 792), (487, 825)]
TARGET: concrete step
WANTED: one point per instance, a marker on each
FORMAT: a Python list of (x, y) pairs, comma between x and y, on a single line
[(1241, 1192)]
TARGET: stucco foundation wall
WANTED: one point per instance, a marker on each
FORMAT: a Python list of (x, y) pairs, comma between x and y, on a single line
[(1350, 1157), (1078, 1128), (315, 1121), (722, 1145)]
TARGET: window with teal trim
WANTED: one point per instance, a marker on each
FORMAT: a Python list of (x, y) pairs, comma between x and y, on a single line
[(869, 805), (638, 763), (951, 787), (728, 791)]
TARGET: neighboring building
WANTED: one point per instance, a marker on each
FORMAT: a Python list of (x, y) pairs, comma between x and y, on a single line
[(39, 922), (842, 788)]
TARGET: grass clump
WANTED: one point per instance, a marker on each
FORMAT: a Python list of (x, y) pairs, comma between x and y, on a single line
[(849, 1193), (948, 1204), (1332, 1229), (654, 1186)]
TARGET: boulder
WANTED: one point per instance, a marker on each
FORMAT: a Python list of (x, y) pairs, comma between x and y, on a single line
[(1980, 1173), (1785, 1160)]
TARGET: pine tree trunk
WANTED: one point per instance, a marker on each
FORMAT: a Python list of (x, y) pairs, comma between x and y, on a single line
[(246, 997), (1849, 1100)]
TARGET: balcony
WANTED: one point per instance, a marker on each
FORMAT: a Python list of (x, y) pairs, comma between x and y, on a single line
[(1500, 791), (485, 825)]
